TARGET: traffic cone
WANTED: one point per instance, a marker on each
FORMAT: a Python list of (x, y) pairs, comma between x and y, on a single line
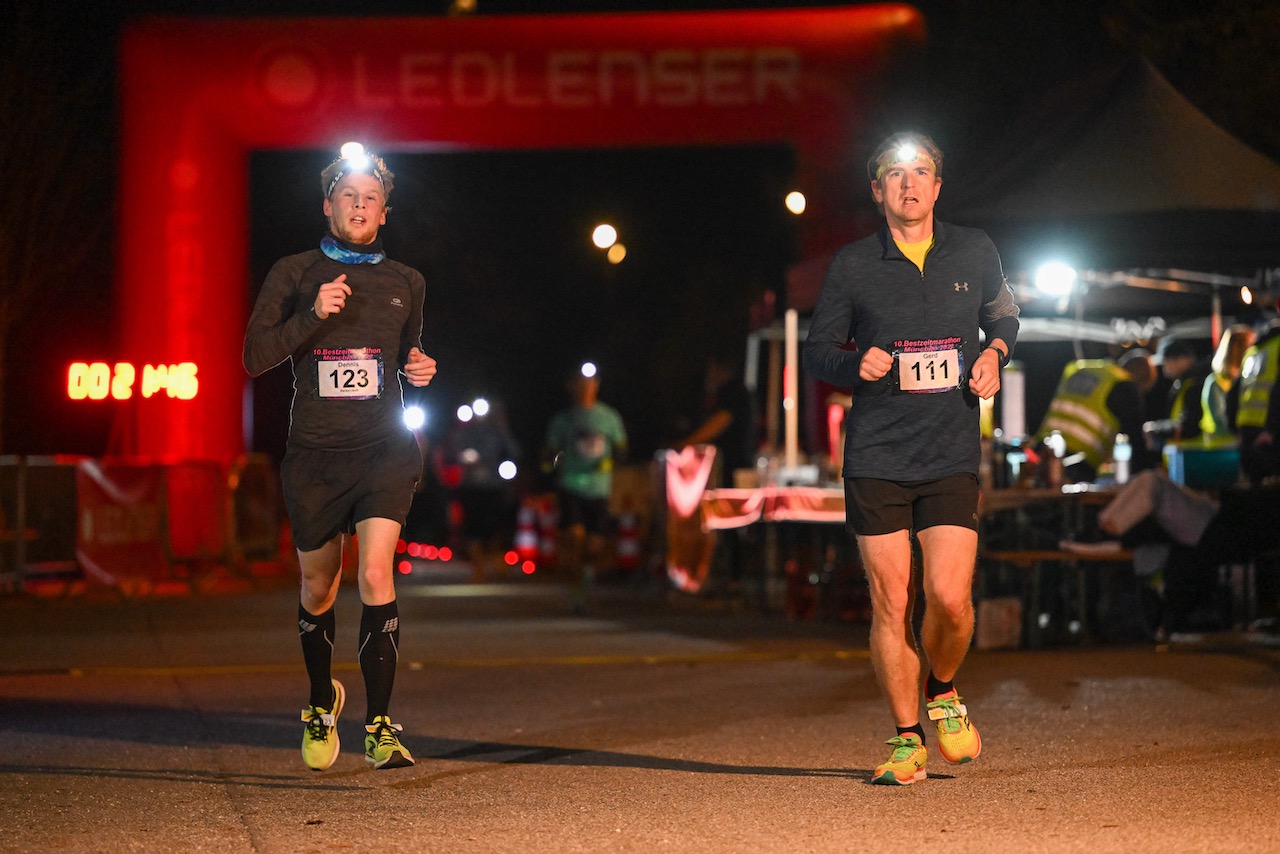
[(548, 532), (627, 548), (526, 540)]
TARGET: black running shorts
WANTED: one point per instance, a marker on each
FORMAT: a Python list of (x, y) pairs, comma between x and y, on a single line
[(875, 506), (591, 513), (327, 492)]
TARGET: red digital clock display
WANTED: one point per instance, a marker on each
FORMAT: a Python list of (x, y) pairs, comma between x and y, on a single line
[(120, 381)]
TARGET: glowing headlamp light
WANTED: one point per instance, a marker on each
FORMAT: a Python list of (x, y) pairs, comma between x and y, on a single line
[(905, 153), (354, 159)]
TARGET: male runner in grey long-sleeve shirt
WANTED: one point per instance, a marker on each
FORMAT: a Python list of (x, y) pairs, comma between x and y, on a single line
[(898, 323)]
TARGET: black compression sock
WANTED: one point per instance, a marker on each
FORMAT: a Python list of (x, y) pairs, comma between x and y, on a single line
[(379, 651), (918, 729), (316, 633), (934, 686)]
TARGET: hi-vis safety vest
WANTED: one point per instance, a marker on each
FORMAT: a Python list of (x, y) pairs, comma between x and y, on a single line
[(1258, 381), (1213, 404), (1179, 406), (1079, 409)]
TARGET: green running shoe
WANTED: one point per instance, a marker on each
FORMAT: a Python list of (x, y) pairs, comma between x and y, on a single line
[(906, 762), (382, 747), (320, 739), (958, 738)]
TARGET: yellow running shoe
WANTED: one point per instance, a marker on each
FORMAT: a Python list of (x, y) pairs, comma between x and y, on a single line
[(906, 762), (382, 747), (958, 739), (320, 739)]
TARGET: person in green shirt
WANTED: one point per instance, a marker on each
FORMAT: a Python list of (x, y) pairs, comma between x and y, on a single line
[(583, 442)]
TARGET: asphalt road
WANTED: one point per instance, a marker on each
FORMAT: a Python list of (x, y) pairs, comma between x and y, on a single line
[(171, 724)]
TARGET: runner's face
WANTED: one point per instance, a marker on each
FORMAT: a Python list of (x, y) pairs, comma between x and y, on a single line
[(908, 192), (356, 208)]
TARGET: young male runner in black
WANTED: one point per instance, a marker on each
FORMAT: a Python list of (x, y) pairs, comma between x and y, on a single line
[(350, 321)]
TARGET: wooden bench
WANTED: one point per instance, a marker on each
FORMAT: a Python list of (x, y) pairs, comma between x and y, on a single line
[(1033, 562)]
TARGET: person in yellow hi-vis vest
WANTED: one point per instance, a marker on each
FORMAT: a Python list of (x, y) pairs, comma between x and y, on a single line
[(1095, 400), (1219, 394), (1258, 417)]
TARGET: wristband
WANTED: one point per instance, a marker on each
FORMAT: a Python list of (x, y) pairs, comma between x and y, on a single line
[(1001, 358)]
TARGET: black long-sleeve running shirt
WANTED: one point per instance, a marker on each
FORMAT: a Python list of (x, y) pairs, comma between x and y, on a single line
[(380, 323)]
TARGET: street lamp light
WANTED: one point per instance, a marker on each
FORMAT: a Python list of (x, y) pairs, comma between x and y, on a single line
[(1056, 279), (604, 235)]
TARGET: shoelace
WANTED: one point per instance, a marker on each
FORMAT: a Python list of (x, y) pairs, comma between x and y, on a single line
[(951, 716), (902, 748), (318, 723), (385, 733)]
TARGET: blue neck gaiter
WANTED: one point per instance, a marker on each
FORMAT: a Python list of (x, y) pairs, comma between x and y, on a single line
[(344, 253)]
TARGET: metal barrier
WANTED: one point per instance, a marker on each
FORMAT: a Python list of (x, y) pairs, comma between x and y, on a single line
[(133, 525)]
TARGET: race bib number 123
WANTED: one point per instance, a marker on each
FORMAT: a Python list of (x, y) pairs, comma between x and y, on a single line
[(349, 374)]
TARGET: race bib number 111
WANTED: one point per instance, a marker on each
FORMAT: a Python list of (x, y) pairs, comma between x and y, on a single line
[(927, 367)]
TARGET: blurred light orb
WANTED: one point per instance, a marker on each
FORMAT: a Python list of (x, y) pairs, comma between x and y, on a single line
[(604, 235), (616, 253), (905, 154), (588, 369), (507, 470), (414, 417), (480, 407), (350, 150), (1246, 295), (465, 413), (796, 202), (1055, 278)]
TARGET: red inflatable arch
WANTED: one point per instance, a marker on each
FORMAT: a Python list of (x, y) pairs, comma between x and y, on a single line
[(198, 95)]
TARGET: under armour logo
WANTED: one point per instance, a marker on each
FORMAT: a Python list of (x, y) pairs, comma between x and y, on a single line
[(962, 286), (391, 625)]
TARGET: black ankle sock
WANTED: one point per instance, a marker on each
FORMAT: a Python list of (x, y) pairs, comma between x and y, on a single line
[(918, 729), (316, 633), (379, 651), (934, 686)]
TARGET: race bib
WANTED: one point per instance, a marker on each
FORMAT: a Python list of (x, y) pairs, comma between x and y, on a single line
[(348, 374), (929, 366)]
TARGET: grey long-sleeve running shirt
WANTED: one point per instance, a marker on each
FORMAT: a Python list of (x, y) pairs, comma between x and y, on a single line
[(874, 296)]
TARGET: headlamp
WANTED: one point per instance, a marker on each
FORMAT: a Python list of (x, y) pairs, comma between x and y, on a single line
[(354, 159), (906, 153), (904, 147)]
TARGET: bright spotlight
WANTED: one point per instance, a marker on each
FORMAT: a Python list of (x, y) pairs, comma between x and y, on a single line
[(480, 407), (796, 202), (350, 150), (604, 235), (465, 413), (414, 417), (588, 369), (507, 470), (1055, 279)]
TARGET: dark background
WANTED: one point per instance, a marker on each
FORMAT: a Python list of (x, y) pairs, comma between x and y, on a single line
[(516, 294)]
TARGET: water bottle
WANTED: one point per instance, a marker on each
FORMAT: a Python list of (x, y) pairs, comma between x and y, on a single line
[(1121, 453), (1056, 449)]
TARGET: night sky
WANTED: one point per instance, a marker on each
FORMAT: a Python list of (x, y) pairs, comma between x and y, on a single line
[(516, 295)]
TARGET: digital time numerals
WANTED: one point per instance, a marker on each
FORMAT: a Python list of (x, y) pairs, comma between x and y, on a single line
[(119, 381)]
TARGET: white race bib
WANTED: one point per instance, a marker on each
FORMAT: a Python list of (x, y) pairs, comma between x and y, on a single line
[(348, 374), (927, 367)]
